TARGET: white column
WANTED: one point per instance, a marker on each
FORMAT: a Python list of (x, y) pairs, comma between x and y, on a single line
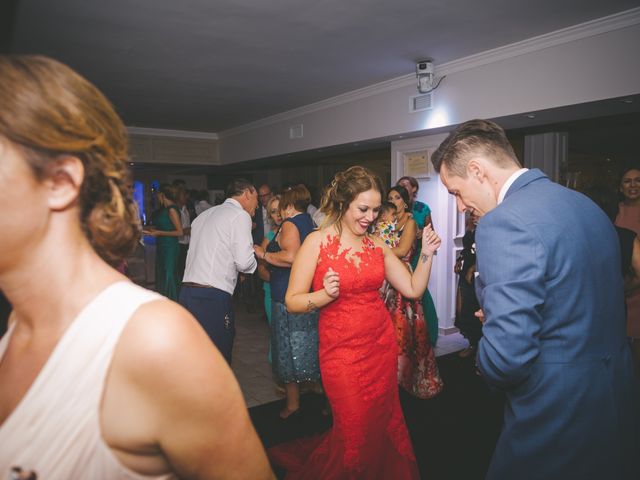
[(446, 221)]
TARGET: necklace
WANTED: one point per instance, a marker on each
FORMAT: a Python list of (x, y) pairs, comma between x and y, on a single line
[(294, 215)]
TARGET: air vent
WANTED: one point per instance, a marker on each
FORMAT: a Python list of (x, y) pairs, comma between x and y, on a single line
[(296, 131), (420, 103)]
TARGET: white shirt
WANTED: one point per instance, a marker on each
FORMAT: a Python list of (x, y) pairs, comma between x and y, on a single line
[(201, 206), (505, 188), (318, 217), (186, 223), (311, 209), (221, 246)]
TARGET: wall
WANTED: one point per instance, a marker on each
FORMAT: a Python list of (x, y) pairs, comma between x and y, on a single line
[(156, 146)]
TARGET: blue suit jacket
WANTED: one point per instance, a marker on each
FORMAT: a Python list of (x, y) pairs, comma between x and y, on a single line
[(554, 339)]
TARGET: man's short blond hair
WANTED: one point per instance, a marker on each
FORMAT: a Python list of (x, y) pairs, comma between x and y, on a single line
[(470, 139)]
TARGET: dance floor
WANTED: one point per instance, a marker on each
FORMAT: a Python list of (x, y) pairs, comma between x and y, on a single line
[(453, 434)]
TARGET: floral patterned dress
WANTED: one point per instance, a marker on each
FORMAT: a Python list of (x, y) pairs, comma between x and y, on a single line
[(417, 369)]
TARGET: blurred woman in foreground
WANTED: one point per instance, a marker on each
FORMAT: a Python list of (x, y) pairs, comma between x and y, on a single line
[(96, 373)]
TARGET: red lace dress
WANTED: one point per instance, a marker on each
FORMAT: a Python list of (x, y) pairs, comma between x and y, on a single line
[(358, 363)]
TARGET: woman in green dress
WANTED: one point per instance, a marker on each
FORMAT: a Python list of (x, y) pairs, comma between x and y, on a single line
[(167, 227), (273, 209), (422, 216)]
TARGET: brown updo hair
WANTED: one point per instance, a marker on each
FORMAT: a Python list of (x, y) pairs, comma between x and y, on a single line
[(47, 111), (298, 196), (169, 191), (404, 193), (344, 188)]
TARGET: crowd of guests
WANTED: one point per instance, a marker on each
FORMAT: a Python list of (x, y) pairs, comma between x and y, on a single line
[(109, 371)]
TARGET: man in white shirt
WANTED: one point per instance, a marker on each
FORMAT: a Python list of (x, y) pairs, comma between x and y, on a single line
[(221, 246), (202, 204)]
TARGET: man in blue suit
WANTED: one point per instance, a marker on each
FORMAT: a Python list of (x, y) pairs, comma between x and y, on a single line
[(548, 280)]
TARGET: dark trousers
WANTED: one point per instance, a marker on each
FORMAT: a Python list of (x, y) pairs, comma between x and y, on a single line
[(182, 261), (214, 311)]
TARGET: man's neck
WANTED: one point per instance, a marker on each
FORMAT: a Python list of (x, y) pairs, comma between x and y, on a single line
[(241, 200)]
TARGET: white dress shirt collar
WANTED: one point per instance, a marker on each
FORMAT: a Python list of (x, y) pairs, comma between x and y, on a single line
[(509, 182)]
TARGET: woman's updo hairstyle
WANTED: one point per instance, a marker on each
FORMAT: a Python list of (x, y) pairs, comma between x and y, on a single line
[(49, 111), (412, 181), (404, 193), (343, 190), (297, 196), (169, 191)]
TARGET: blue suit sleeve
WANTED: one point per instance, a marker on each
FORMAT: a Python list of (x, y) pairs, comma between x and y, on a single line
[(511, 288)]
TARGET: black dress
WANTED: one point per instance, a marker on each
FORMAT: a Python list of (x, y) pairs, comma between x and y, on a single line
[(466, 320), (626, 238)]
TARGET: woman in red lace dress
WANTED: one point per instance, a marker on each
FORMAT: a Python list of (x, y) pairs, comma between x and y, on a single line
[(343, 268)]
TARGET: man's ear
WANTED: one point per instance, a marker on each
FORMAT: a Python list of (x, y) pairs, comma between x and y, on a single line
[(63, 181), (475, 169)]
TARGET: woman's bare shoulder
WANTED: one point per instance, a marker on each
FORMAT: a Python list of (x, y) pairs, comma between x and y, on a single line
[(163, 337)]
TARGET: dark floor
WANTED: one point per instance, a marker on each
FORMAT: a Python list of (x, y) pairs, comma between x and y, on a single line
[(453, 434)]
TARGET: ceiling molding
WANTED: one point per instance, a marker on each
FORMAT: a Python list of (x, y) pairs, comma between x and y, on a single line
[(591, 28), (160, 132)]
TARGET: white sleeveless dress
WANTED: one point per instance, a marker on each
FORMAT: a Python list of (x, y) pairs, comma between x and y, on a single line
[(55, 429)]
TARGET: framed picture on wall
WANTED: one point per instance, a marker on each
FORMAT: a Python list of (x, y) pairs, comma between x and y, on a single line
[(416, 164)]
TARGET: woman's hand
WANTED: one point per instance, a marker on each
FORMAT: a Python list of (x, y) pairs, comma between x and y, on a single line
[(149, 231), (331, 283), (430, 240), (259, 251)]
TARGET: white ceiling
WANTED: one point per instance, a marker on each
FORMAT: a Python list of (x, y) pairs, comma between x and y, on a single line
[(210, 65)]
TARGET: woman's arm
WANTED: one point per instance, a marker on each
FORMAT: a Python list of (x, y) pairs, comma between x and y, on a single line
[(406, 239), (412, 285), (289, 241), (263, 267), (427, 221), (177, 224), (298, 299), (152, 383)]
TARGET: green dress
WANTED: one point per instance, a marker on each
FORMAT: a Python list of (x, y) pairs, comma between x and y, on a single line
[(167, 253), (420, 213)]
